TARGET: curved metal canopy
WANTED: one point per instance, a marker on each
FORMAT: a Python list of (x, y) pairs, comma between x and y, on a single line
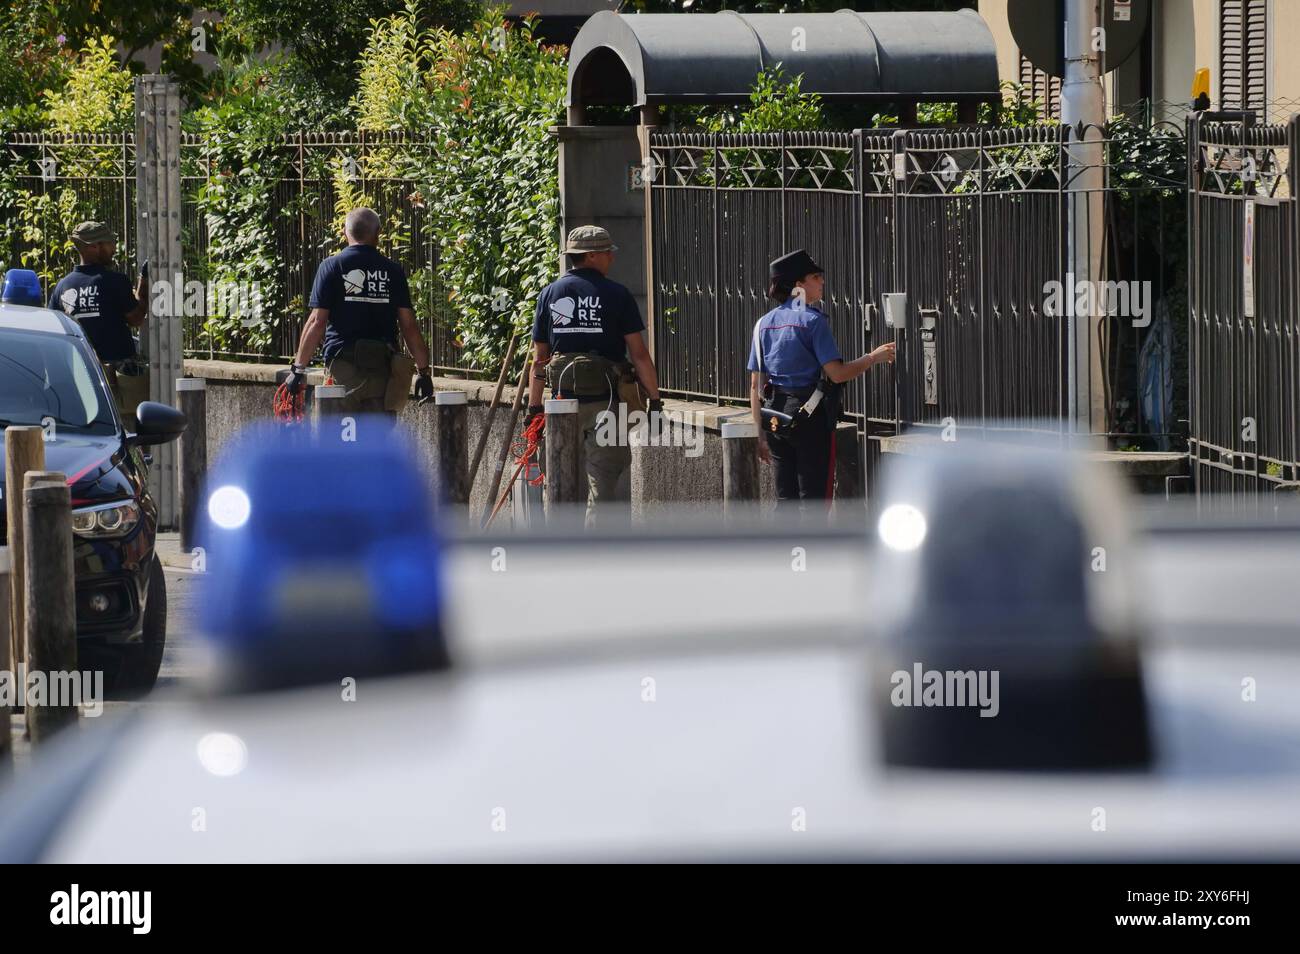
[(655, 58)]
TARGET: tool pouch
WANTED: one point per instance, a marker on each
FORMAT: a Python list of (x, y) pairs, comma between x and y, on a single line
[(398, 392), (372, 357), (629, 388), (581, 375)]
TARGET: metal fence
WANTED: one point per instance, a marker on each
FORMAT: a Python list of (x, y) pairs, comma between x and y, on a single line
[(49, 182), (718, 208), (1245, 409), (303, 217), (969, 223)]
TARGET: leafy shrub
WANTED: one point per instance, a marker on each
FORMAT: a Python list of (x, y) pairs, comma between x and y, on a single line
[(97, 96)]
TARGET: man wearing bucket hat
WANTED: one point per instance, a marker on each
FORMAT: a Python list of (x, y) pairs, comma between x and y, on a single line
[(795, 371), (109, 310), (587, 345)]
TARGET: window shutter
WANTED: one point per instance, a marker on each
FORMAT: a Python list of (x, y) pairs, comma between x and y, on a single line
[(1243, 59), (1039, 86)]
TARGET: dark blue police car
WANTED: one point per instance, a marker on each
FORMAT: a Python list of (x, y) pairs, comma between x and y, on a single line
[(50, 377)]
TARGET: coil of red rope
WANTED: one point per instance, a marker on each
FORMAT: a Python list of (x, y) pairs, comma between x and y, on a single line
[(526, 455), (288, 408)]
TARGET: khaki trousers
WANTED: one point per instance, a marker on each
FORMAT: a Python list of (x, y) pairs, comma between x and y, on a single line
[(608, 466), (365, 392)]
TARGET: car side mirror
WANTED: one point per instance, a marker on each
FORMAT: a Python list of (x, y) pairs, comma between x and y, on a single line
[(158, 424)]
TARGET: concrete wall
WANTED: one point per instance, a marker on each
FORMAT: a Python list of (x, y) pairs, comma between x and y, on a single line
[(238, 394), (594, 190)]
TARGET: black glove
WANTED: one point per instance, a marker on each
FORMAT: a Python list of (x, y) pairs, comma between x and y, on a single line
[(655, 404), (534, 410), (423, 386), (297, 379)]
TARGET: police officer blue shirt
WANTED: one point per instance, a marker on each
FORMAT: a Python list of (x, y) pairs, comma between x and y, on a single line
[(362, 291), (98, 299), (584, 311), (796, 340)]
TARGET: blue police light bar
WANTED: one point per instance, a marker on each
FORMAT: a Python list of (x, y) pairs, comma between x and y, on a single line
[(22, 287), (322, 557), (1008, 624)]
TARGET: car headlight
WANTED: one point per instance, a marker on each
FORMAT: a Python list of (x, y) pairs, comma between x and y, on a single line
[(106, 520)]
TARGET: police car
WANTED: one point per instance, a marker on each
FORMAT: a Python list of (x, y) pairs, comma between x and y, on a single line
[(50, 378), (708, 694)]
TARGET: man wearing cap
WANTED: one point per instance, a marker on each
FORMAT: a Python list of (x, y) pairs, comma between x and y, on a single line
[(586, 330), (358, 302), (108, 309), (795, 368)]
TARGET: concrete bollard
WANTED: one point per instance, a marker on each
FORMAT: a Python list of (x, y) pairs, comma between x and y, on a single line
[(49, 595), (192, 452), (24, 451), (327, 401), (6, 662), (739, 463), (451, 423), (565, 482)]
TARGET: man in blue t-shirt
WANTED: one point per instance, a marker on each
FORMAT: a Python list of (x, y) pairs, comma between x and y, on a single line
[(359, 301), (790, 351), (108, 309), (586, 329)]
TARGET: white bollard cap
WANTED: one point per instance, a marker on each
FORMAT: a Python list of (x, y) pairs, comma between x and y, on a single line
[(331, 391), (561, 406), (191, 384), (734, 429), (450, 397)]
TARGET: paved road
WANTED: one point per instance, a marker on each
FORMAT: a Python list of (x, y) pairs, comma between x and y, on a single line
[(179, 663)]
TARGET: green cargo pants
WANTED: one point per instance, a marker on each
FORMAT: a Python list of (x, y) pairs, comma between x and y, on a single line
[(365, 391), (608, 465)]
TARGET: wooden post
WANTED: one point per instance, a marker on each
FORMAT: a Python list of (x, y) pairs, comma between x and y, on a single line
[(492, 409), (6, 661), (24, 451), (50, 595), (327, 401), (451, 423), (521, 395), (565, 482), (739, 465), (158, 239), (192, 399)]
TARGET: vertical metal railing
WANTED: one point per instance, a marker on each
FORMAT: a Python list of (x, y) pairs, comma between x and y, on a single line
[(1244, 440)]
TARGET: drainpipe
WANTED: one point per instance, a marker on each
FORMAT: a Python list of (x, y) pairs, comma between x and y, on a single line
[(1083, 101)]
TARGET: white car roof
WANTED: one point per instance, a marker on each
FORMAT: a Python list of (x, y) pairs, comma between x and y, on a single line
[(760, 741), (29, 318)]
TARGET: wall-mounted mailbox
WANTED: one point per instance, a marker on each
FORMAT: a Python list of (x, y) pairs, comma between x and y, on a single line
[(895, 309)]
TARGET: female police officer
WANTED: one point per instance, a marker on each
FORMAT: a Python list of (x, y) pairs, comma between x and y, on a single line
[(795, 368)]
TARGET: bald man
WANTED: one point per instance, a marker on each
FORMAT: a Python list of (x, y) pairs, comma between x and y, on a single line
[(358, 302)]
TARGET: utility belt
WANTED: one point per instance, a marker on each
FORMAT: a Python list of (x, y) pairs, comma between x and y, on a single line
[(824, 396), (589, 376), (384, 372)]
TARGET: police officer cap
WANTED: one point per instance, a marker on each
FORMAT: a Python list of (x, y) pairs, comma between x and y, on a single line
[(88, 233), (794, 266)]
